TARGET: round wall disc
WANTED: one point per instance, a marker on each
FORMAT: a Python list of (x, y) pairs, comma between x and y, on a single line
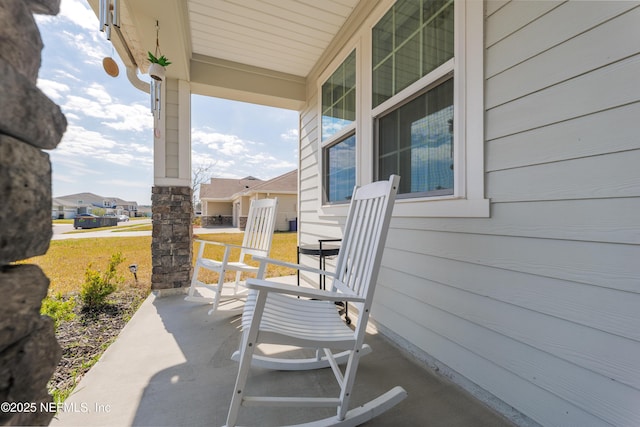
[(110, 67)]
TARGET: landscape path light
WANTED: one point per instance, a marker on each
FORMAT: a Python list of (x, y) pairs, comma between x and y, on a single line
[(133, 268)]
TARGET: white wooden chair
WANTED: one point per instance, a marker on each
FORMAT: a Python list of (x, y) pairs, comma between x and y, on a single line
[(257, 239), (292, 315)]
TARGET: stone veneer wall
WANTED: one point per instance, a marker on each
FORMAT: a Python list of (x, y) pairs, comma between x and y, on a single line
[(171, 248), (29, 122), (217, 220)]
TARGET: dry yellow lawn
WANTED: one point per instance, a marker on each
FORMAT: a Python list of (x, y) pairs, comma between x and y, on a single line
[(66, 261), (283, 248)]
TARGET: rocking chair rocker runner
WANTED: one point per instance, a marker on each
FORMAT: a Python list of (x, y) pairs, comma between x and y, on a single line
[(284, 314), (256, 242)]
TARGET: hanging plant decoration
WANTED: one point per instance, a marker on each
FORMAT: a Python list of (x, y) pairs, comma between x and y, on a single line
[(157, 67), (158, 61)]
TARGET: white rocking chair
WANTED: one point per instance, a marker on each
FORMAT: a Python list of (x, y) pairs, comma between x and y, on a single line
[(256, 242), (308, 318)]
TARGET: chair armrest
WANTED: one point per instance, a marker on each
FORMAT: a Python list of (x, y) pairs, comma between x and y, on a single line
[(293, 265), (228, 245), (213, 242), (282, 288)]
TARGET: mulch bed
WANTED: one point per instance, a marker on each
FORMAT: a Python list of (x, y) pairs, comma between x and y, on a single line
[(86, 337)]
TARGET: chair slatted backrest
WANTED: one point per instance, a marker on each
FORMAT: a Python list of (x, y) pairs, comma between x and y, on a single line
[(258, 232), (364, 237)]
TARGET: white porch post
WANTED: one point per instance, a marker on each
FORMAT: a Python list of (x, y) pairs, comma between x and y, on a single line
[(171, 246)]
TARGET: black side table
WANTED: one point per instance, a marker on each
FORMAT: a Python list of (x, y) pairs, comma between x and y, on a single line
[(322, 251)]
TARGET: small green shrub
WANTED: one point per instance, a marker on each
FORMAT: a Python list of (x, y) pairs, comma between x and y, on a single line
[(98, 286), (58, 309)]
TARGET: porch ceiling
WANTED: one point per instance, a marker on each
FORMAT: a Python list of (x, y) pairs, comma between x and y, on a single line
[(259, 51)]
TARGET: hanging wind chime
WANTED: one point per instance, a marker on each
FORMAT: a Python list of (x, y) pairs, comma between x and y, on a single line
[(109, 15), (157, 73)]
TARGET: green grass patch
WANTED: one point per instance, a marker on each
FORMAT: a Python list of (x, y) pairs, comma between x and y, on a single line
[(62, 221), (134, 227)]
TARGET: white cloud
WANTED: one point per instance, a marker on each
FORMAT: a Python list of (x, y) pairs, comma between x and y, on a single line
[(80, 143), (121, 158), (52, 89), (84, 106), (79, 13), (233, 148), (117, 182), (134, 117), (210, 137), (71, 117), (96, 90), (69, 168), (78, 140), (62, 74), (283, 164), (290, 135), (225, 144), (94, 49), (143, 149), (236, 157), (122, 117)]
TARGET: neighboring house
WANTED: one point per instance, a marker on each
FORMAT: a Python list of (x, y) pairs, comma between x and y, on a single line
[(226, 201), (86, 202), (64, 209), (217, 202), (511, 264)]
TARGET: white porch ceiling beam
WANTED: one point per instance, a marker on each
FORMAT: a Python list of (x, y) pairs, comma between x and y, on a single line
[(241, 82)]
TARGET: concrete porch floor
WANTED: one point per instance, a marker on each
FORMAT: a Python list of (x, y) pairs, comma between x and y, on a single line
[(171, 366)]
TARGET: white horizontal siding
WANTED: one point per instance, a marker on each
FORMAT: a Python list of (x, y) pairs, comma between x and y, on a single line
[(604, 176), (614, 40), (608, 265), (586, 220), (537, 304), (545, 31), (606, 354), (605, 88), (537, 352), (604, 132), (492, 6), (589, 306), (526, 12), (522, 394)]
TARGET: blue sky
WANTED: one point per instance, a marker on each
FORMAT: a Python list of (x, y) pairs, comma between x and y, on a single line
[(108, 146)]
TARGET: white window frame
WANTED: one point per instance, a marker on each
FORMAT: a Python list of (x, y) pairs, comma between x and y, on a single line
[(344, 132), (467, 65)]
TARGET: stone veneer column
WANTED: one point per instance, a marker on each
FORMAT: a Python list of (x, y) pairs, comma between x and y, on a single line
[(171, 238), (171, 207), (29, 122)]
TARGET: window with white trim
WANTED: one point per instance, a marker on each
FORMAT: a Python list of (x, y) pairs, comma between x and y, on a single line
[(413, 47), (419, 111), (338, 132)]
